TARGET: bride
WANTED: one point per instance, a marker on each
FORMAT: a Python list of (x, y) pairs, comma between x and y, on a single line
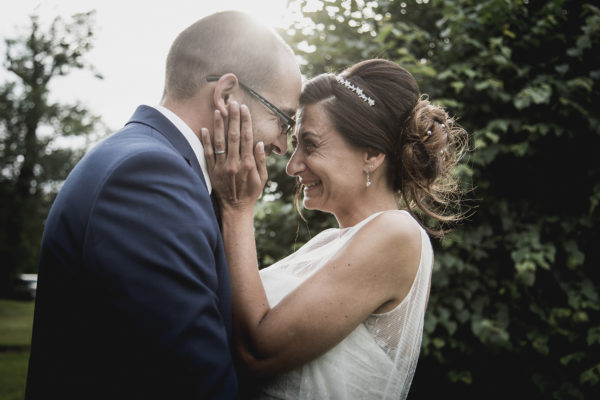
[(341, 318)]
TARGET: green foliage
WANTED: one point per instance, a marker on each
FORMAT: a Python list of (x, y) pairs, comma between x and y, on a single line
[(514, 299), (36, 135)]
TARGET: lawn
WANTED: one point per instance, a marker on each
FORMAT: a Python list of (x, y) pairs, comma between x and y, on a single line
[(16, 319), (13, 372)]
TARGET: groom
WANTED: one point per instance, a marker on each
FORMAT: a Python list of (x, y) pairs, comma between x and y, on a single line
[(134, 299)]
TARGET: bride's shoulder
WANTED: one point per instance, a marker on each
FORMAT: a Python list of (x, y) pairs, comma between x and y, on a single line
[(394, 232), (393, 224), (395, 241)]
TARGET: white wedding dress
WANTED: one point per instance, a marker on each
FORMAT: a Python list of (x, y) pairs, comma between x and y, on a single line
[(378, 359)]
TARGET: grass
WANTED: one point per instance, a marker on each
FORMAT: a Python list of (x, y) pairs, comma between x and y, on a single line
[(16, 321), (13, 373)]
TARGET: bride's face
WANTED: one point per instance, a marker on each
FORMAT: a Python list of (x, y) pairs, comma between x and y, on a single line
[(330, 170)]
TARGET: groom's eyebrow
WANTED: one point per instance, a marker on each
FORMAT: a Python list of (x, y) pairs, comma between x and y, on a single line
[(290, 112)]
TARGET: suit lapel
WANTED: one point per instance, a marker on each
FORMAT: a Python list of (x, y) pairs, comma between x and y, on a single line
[(151, 117)]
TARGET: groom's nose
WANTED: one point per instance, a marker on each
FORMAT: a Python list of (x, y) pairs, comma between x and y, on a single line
[(280, 145)]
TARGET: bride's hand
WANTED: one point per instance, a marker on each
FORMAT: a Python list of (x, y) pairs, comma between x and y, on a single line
[(237, 170)]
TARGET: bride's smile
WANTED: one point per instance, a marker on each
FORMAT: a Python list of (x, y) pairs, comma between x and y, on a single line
[(309, 186)]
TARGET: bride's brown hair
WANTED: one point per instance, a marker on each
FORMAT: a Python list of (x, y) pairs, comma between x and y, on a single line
[(421, 142)]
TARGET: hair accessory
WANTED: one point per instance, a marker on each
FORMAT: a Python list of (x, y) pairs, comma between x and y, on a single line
[(359, 92), (429, 132)]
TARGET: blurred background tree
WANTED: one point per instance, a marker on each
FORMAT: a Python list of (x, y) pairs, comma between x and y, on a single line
[(514, 307), (40, 141)]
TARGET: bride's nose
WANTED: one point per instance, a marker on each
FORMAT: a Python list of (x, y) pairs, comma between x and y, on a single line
[(295, 166)]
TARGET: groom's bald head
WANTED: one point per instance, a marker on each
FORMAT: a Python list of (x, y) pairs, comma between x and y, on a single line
[(224, 42)]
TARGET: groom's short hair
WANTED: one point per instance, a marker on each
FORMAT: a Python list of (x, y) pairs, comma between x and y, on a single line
[(224, 42)]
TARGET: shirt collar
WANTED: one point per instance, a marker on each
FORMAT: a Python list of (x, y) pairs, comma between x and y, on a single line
[(192, 139)]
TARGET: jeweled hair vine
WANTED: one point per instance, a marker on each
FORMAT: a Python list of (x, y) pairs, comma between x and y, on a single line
[(359, 92)]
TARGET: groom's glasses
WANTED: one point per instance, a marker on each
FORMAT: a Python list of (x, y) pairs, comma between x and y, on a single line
[(287, 122)]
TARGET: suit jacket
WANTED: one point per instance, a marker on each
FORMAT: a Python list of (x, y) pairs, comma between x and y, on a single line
[(133, 293)]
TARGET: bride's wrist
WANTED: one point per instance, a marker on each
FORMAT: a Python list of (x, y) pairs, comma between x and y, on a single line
[(237, 211)]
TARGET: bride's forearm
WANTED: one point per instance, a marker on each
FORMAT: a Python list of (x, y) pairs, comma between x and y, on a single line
[(250, 304), (258, 344)]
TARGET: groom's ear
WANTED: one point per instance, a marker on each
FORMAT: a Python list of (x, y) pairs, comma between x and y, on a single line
[(224, 89)]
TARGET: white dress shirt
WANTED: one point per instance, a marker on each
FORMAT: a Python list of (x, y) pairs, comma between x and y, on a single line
[(191, 138)]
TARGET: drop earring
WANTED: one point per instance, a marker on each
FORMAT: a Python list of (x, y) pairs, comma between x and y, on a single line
[(369, 175)]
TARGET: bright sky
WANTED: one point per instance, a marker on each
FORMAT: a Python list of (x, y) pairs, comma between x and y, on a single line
[(132, 39)]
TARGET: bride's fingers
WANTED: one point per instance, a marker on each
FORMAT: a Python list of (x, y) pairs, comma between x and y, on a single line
[(233, 134), (261, 162), (219, 139), (247, 137), (208, 149)]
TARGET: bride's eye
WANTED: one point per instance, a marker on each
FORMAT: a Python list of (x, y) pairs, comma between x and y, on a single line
[(309, 146)]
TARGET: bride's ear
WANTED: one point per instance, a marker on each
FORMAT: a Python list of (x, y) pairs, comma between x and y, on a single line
[(372, 159), (224, 89)]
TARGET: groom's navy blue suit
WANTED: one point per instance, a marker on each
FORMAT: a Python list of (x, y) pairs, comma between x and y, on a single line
[(133, 296)]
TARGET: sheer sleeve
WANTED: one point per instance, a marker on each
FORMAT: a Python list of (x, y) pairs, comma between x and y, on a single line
[(399, 332)]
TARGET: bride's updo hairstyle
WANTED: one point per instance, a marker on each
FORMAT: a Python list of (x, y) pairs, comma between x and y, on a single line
[(421, 142)]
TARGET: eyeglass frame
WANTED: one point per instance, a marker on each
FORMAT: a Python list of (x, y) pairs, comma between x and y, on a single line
[(290, 122)]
